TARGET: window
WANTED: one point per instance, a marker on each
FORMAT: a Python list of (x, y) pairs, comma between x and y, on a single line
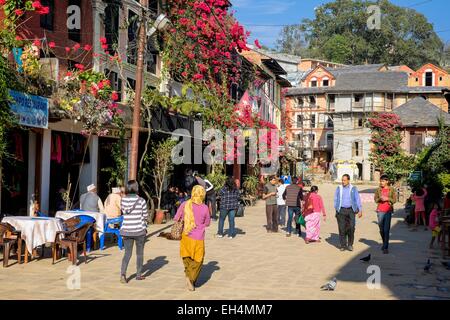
[(47, 19), (312, 101), (440, 78), (299, 121), (429, 79), (314, 82), (151, 58), (132, 37), (357, 148), (153, 5), (330, 139), (300, 102), (329, 123), (131, 83), (112, 27), (359, 122), (417, 79), (313, 121), (325, 82), (331, 102), (75, 34), (358, 97)]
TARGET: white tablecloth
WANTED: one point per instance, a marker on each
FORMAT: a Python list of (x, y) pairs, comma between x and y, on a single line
[(100, 218), (35, 231)]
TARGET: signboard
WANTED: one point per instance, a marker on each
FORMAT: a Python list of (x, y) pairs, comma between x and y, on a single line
[(31, 111), (416, 176)]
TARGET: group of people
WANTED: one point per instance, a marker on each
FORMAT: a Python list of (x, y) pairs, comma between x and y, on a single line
[(436, 208), (90, 201), (304, 208), (280, 197)]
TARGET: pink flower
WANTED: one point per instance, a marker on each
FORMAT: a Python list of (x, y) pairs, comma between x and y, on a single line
[(36, 4), (51, 44), (79, 66), (18, 38), (184, 74), (103, 40), (18, 12), (37, 43), (257, 44), (67, 49), (2, 2), (114, 96), (87, 47), (69, 74), (43, 11), (76, 47), (198, 76)]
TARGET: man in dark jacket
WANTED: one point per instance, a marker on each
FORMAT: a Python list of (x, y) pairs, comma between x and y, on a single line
[(189, 181), (293, 196)]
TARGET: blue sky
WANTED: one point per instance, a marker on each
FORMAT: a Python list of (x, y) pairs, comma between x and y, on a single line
[(264, 18)]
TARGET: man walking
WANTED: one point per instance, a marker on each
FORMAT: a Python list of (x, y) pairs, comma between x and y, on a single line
[(385, 197), (281, 203), (270, 196), (293, 196), (347, 204)]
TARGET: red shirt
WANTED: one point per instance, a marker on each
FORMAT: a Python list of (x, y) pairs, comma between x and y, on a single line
[(384, 206)]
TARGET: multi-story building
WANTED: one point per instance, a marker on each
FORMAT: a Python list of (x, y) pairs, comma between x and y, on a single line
[(331, 108), (52, 156)]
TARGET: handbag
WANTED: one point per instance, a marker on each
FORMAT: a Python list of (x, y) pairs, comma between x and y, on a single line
[(177, 230), (301, 220), (240, 211)]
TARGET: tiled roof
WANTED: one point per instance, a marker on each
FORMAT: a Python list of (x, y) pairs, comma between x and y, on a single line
[(419, 112), (371, 81)]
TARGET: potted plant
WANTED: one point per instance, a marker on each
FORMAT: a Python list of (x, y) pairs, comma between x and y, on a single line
[(161, 156)]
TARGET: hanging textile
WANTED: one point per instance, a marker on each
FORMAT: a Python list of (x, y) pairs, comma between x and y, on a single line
[(56, 154)]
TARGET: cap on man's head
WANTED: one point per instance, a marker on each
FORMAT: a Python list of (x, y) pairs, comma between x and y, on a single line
[(115, 190), (91, 187)]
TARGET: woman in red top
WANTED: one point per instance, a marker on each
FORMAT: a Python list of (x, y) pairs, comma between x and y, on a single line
[(313, 209)]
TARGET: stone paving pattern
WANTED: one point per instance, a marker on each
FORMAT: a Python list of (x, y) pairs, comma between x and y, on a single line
[(254, 265)]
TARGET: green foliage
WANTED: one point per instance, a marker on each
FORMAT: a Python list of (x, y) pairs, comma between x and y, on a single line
[(117, 173), (444, 180), (291, 41), (434, 161), (250, 185), (405, 36), (217, 177)]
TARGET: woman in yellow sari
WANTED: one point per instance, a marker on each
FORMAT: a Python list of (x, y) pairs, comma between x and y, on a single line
[(195, 215)]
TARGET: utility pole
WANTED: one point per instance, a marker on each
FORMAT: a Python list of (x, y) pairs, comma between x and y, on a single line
[(142, 35)]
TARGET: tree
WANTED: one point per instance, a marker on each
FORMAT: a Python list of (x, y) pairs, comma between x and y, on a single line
[(405, 36), (292, 41), (387, 154)]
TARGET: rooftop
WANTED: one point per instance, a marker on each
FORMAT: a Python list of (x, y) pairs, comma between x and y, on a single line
[(419, 112)]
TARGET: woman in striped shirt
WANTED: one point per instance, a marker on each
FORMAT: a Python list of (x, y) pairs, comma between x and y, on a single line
[(134, 228)]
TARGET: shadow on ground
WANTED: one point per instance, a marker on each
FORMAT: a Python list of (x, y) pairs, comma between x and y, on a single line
[(402, 270), (207, 272)]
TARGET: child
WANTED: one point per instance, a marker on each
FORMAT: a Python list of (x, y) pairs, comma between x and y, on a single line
[(434, 224), (419, 198)]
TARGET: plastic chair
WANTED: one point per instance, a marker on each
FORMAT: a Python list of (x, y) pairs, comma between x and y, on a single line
[(110, 230), (84, 220), (41, 214)]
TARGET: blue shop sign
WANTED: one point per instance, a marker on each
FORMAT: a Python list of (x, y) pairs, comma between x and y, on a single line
[(31, 111)]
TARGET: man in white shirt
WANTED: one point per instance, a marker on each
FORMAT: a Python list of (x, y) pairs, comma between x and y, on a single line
[(281, 203), (90, 201)]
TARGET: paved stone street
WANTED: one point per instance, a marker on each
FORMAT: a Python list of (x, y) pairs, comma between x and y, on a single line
[(254, 265)]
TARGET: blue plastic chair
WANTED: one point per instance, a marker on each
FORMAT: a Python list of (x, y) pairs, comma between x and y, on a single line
[(41, 214), (110, 230), (83, 220)]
